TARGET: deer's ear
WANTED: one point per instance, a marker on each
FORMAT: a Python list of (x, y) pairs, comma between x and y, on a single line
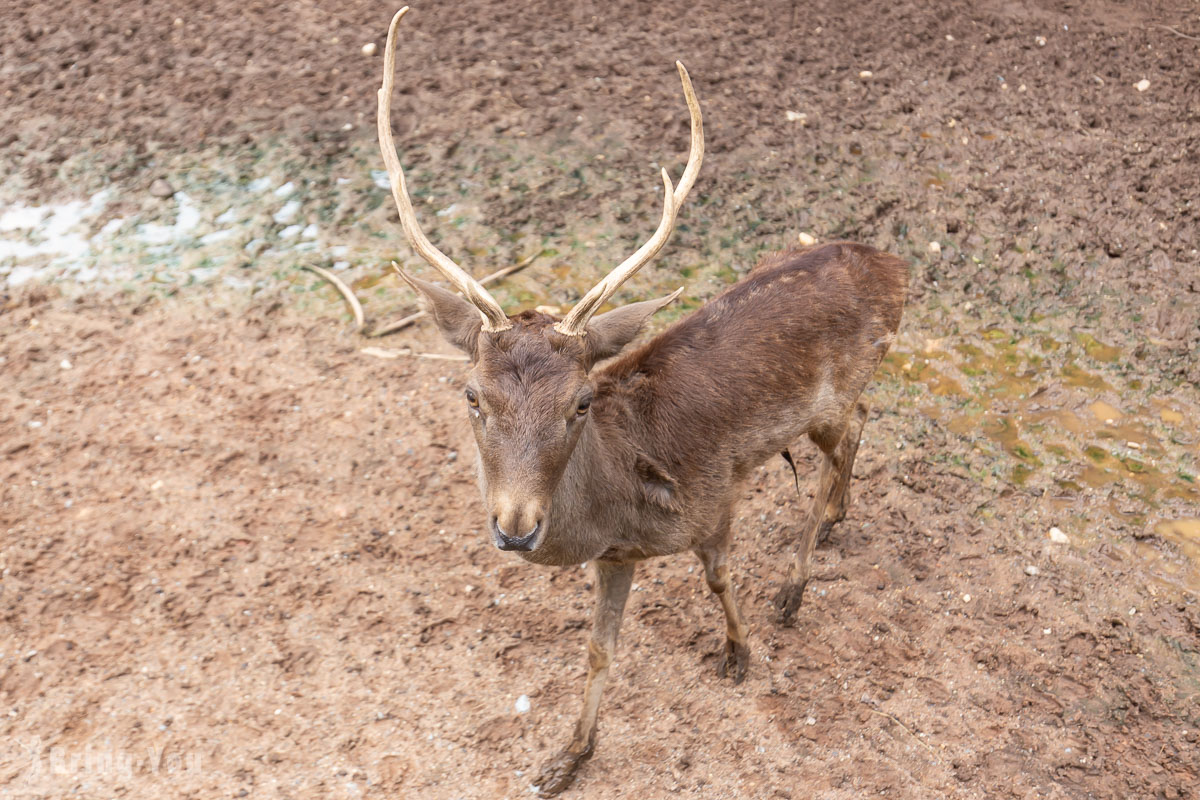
[(608, 333), (458, 320)]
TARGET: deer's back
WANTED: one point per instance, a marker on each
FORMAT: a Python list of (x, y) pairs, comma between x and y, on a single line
[(783, 352)]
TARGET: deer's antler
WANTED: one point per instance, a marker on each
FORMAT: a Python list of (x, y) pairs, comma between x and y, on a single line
[(575, 323), (494, 318)]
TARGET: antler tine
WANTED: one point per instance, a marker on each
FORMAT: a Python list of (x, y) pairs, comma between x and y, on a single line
[(575, 323), (494, 318)]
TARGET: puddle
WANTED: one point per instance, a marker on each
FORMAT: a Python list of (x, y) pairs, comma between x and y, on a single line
[(1182, 530), (1104, 412), (1055, 415), (1170, 416)]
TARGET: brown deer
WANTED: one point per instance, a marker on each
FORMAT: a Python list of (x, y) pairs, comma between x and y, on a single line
[(590, 453)]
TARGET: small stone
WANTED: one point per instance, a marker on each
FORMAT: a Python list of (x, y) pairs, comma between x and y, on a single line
[(1032, 571), (807, 239), (160, 188), (522, 704), (1058, 537), (866, 73), (368, 49), (966, 598), (1142, 85), (65, 364), (796, 116), (935, 248), (1041, 41), (810, 721)]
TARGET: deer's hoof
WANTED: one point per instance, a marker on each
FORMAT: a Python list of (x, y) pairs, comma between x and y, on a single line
[(737, 658), (559, 772), (787, 601)]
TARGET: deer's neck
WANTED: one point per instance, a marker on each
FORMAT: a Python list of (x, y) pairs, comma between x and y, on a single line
[(600, 508)]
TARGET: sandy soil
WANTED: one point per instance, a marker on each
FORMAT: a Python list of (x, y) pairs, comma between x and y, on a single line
[(240, 557)]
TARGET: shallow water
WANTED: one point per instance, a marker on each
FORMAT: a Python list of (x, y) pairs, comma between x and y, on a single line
[(1068, 418)]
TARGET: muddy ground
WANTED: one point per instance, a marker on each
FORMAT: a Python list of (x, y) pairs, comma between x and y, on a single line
[(241, 557)]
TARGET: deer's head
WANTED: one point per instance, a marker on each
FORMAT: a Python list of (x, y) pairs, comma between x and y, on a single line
[(528, 395)]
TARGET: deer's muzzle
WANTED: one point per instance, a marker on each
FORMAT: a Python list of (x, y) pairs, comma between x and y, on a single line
[(524, 543)]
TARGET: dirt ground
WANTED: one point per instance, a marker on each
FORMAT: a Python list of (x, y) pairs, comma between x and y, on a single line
[(242, 558)]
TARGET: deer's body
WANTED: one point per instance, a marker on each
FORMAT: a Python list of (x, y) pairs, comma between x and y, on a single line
[(679, 423), (586, 454)]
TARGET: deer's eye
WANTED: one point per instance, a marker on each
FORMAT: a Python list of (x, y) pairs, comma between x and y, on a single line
[(472, 399), (583, 406)]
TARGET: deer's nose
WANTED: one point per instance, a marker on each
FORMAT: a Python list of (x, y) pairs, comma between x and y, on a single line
[(506, 541)]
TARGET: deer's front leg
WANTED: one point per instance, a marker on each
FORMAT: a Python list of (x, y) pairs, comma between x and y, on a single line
[(612, 588)]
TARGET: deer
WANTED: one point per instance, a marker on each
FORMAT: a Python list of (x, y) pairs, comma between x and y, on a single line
[(593, 450)]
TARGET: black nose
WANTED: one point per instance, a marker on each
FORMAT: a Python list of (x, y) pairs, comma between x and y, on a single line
[(522, 543)]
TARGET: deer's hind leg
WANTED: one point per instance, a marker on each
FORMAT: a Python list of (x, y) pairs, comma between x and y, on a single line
[(839, 498), (839, 445), (612, 589), (714, 556)]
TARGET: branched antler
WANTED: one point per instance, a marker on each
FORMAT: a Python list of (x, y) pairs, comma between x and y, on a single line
[(575, 323), (494, 318)]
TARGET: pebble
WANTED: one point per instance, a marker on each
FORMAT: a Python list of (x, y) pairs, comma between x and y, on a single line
[(866, 73), (807, 239), (1142, 85), (1032, 571), (65, 364), (1058, 537), (522, 704), (368, 49), (288, 212), (160, 188), (1041, 41), (935, 248), (796, 116)]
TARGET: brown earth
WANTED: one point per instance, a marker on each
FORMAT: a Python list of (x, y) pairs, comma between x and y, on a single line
[(245, 555)]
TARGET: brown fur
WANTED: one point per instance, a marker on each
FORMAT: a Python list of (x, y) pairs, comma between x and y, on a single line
[(675, 425)]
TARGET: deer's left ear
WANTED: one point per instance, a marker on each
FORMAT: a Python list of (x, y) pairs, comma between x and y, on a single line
[(458, 320), (608, 333)]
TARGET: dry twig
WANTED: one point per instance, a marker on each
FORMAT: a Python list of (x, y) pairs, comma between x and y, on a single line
[(1177, 33), (918, 739), (345, 290), (380, 352), (404, 322)]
